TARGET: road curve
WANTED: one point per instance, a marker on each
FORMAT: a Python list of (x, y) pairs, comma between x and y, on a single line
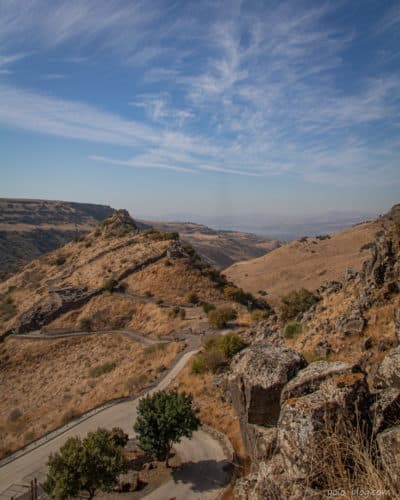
[(203, 475)]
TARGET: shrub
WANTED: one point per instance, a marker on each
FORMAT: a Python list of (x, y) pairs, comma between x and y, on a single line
[(152, 349), (296, 302), (182, 313), (78, 238), (159, 302), (59, 260), (219, 317), (218, 351), (99, 370), (193, 298), (110, 284), (259, 315), (7, 308), (231, 344), (148, 293), (208, 307), (292, 330), (85, 324), (262, 293), (323, 237), (236, 295)]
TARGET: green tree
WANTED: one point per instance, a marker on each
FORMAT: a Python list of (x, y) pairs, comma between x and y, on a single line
[(89, 464), (163, 419)]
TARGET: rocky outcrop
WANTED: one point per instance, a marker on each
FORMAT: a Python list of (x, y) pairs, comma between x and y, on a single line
[(389, 448), (385, 411), (351, 323), (388, 372), (306, 419), (258, 375), (59, 302)]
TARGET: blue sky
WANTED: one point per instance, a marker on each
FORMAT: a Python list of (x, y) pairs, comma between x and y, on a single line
[(203, 107)]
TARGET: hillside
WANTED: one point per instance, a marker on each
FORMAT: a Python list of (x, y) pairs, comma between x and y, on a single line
[(138, 286), (305, 263), (29, 228), (219, 248), (151, 274)]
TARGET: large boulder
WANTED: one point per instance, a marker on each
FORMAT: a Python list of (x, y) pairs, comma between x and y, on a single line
[(385, 411), (258, 375), (318, 409), (387, 374), (351, 323), (310, 379), (389, 448)]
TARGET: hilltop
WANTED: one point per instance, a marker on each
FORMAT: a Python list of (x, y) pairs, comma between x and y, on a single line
[(29, 228), (305, 263)]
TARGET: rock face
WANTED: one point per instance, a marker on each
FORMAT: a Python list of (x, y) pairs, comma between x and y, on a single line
[(322, 403), (385, 411), (388, 372), (389, 447), (352, 323), (60, 301), (258, 376)]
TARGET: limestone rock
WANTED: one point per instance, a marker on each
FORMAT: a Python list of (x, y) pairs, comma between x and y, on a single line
[(310, 379), (305, 420), (389, 448), (351, 323), (258, 375), (385, 411), (388, 372), (261, 442)]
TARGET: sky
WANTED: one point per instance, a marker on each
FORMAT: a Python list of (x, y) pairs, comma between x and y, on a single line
[(202, 108)]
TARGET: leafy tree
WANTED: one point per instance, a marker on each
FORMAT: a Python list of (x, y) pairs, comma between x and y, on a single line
[(163, 419), (89, 464)]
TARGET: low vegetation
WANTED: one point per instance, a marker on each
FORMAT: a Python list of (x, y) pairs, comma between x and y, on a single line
[(110, 285), (259, 315), (292, 330), (8, 308), (296, 302), (193, 298), (99, 370), (219, 317), (218, 351)]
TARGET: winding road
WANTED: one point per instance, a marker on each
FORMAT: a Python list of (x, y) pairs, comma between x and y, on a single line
[(203, 475)]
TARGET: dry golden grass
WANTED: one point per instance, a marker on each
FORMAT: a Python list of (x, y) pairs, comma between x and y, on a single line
[(173, 280), (304, 264), (344, 460), (213, 410), (46, 383)]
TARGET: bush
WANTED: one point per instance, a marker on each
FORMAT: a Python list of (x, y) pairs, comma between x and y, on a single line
[(159, 302), (292, 330), (182, 313), (218, 351), (237, 295), (193, 298), (7, 308), (259, 315), (152, 349), (208, 307), (296, 302), (110, 284), (219, 317), (263, 293), (148, 293), (99, 370), (231, 344), (59, 260), (85, 324)]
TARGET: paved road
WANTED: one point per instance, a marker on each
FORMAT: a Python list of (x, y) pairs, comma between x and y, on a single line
[(202, 477)]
